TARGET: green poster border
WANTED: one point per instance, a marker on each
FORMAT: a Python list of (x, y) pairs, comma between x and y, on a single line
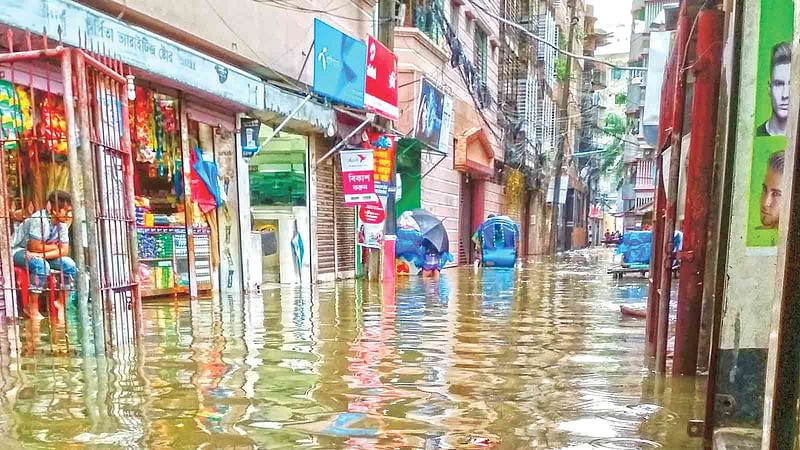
[(775, 26)]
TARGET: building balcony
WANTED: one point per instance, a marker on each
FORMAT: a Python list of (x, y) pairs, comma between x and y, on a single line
[(414, 45), (628, 192)]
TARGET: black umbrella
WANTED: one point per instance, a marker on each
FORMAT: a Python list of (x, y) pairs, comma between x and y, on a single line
[(432, 230)]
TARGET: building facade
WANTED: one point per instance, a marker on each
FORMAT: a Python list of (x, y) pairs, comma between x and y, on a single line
[(204, 81)]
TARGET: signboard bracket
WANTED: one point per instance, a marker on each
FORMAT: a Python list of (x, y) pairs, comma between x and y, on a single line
[(343, 142), (443, 157), (287, 119)]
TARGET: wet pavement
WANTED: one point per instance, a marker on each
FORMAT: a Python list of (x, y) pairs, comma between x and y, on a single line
[(536, 358)]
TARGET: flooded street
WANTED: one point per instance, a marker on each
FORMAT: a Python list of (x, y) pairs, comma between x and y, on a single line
[(537, 358)]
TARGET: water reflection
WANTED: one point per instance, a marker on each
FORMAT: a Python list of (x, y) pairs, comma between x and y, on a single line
[(531, 358)]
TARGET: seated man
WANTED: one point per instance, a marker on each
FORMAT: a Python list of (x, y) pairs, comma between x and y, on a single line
[(41, 243)]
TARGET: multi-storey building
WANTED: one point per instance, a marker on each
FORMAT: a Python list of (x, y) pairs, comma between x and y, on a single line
[(648, 50), (593, 111), (454, 46)]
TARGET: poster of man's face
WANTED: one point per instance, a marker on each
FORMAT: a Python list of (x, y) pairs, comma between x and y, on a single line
[(773, 102), (772, 191), (779, 91)]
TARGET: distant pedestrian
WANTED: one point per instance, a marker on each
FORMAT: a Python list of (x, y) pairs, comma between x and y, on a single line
[(431, 266)]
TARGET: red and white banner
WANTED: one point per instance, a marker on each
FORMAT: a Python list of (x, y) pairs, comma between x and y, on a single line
[(380, 92), (358, 177)]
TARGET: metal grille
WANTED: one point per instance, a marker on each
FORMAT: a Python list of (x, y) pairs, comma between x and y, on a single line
[(106, 118), (51, 143), (28, 152)]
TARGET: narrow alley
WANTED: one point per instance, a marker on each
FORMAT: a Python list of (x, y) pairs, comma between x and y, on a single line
[(538, 357)]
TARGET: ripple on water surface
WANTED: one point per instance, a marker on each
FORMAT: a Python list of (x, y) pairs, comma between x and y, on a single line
[(507, 359)]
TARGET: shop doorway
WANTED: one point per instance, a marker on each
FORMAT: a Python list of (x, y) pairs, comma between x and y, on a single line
[(66, 215), (525, 224), (186, 202), (279, 207), (466, 250)]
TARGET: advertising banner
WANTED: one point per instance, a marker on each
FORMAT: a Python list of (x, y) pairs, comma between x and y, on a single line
[(358, 172), (771, 116), (248, 134), (380, 93), (383, 153), (371, 220), (445, 142), (339, 65), (430, 110)]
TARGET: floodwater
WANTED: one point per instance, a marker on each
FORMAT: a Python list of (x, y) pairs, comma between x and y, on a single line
[(537, 358)]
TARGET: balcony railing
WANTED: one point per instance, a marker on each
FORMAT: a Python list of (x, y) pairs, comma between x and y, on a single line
[(420, 15)]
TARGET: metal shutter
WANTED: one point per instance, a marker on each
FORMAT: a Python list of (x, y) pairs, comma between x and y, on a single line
[(325, 235), (345, 223)]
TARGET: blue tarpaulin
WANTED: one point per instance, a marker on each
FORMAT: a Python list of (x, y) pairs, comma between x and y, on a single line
[(636, 247)]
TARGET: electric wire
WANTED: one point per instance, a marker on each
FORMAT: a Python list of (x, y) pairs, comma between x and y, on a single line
[(535, 37)]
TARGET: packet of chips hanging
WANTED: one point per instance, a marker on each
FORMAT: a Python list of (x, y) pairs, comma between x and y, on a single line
[(11, 120)]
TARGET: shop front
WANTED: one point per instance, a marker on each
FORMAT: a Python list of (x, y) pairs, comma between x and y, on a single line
[(278, 179), (186, 204), (65, 171), (176, 205)]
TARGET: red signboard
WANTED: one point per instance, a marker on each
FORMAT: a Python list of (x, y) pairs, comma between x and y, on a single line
[(358, 183), (380, 92), (372, 214)]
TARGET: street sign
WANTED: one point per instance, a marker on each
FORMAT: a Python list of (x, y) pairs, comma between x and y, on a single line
[(380, 93), (358, 182), (339, 65)]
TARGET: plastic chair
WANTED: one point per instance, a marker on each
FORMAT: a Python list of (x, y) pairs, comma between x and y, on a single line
[(23, 284)]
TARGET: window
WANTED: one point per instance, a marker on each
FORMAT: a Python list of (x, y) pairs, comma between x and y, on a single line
[(481, 54), (455, 13), (425, 19)]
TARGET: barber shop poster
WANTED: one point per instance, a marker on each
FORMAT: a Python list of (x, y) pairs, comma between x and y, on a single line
[(771, 117)]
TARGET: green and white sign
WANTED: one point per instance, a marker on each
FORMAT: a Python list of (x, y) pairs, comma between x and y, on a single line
[(771, 117)]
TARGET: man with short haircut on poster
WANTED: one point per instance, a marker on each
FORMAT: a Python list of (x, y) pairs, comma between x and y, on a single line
[(772, 191), (780, 71)]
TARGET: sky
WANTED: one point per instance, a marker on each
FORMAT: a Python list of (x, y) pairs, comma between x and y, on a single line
[(614, 16)]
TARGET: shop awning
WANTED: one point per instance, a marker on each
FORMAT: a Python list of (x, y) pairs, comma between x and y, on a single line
[(474, 154), (305, 116)]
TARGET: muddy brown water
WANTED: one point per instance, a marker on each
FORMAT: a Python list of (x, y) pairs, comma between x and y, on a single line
[(495, 359)]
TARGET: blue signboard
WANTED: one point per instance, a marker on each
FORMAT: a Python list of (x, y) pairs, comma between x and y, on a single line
[(340, 65)]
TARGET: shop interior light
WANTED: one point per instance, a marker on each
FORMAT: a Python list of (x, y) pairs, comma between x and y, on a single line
[(131, 88)]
